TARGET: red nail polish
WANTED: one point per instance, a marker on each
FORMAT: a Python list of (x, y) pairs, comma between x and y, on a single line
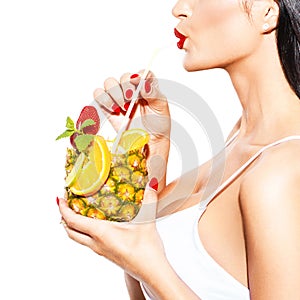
[(134, 76), (128, 94), (154, 183), (116, 108), (147, 86), (57, 200), (126, 105)]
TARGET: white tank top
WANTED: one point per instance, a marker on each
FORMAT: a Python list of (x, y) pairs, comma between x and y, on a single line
[(188, 257)]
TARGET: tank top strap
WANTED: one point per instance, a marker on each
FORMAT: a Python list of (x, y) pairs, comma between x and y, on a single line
[(232, 138), (229, 180)]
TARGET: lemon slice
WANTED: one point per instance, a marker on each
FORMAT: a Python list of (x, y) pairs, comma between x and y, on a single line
[(134, 138), (94, 171), (76, 170)]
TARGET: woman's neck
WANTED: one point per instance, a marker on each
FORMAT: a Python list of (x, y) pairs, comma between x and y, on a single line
[(267, 99)]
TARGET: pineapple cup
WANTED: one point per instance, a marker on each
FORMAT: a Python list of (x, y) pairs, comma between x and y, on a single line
[(120, 197), (98, 183)]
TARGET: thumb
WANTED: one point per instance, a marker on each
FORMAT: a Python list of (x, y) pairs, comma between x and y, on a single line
[(148, 210), (151, 87), (151, 92)]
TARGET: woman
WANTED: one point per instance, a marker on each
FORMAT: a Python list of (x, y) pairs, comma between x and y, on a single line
[(242, 242)]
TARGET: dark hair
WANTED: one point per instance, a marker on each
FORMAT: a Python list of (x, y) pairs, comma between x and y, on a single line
[(288, 41)]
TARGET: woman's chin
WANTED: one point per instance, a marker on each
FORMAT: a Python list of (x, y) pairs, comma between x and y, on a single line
[(192, 65), (189, 65)]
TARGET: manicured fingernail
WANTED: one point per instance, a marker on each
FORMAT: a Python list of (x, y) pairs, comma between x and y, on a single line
[(116, 108), (57, 200), (147, 86), (134, 76), (153, 183), (126, 105), (128, 94)]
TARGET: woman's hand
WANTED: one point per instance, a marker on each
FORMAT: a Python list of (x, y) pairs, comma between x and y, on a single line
[(151, 112), (129, 245), (135, 247)]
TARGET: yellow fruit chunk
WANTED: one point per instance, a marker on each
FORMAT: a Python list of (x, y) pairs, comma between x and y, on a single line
[(95, 213), (126, 192), (95, 169), (134, 138)]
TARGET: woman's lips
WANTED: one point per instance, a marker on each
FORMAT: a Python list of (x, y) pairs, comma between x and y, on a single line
[(181, 37)]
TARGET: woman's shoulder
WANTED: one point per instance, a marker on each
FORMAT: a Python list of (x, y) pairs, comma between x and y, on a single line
[(275, 176), (270, 209)]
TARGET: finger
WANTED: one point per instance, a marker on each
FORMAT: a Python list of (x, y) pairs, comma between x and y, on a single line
[(76, 222), (148, 210), (128, 88), (105, 101), (152, 93), (115, 91), (78, 237), (156, 167), (136, 77)]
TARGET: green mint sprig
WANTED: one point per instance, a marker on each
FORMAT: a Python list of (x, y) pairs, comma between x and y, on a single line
[(82, 140), (69, 131)]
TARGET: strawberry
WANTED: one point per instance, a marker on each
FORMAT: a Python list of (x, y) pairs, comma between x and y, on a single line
[(72, 139), (89, 112)]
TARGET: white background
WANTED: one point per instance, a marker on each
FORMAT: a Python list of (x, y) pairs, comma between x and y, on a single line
[(53, 54)]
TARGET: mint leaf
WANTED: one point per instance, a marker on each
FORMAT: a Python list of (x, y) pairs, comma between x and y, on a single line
[(83, 141), (65, 134), (70, 124), (87, 123)]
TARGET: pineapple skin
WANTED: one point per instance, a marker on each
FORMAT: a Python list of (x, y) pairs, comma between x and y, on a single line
[(120, 198)]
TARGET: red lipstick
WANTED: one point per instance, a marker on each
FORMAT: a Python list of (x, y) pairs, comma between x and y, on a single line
[(181, 37)]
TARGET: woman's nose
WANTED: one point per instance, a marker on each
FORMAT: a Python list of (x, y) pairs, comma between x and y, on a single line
[(182, 9)]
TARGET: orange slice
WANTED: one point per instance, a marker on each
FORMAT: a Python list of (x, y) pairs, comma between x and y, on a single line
[(94, 171)]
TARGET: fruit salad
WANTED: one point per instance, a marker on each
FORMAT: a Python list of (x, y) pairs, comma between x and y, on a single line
[(100, 184)]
